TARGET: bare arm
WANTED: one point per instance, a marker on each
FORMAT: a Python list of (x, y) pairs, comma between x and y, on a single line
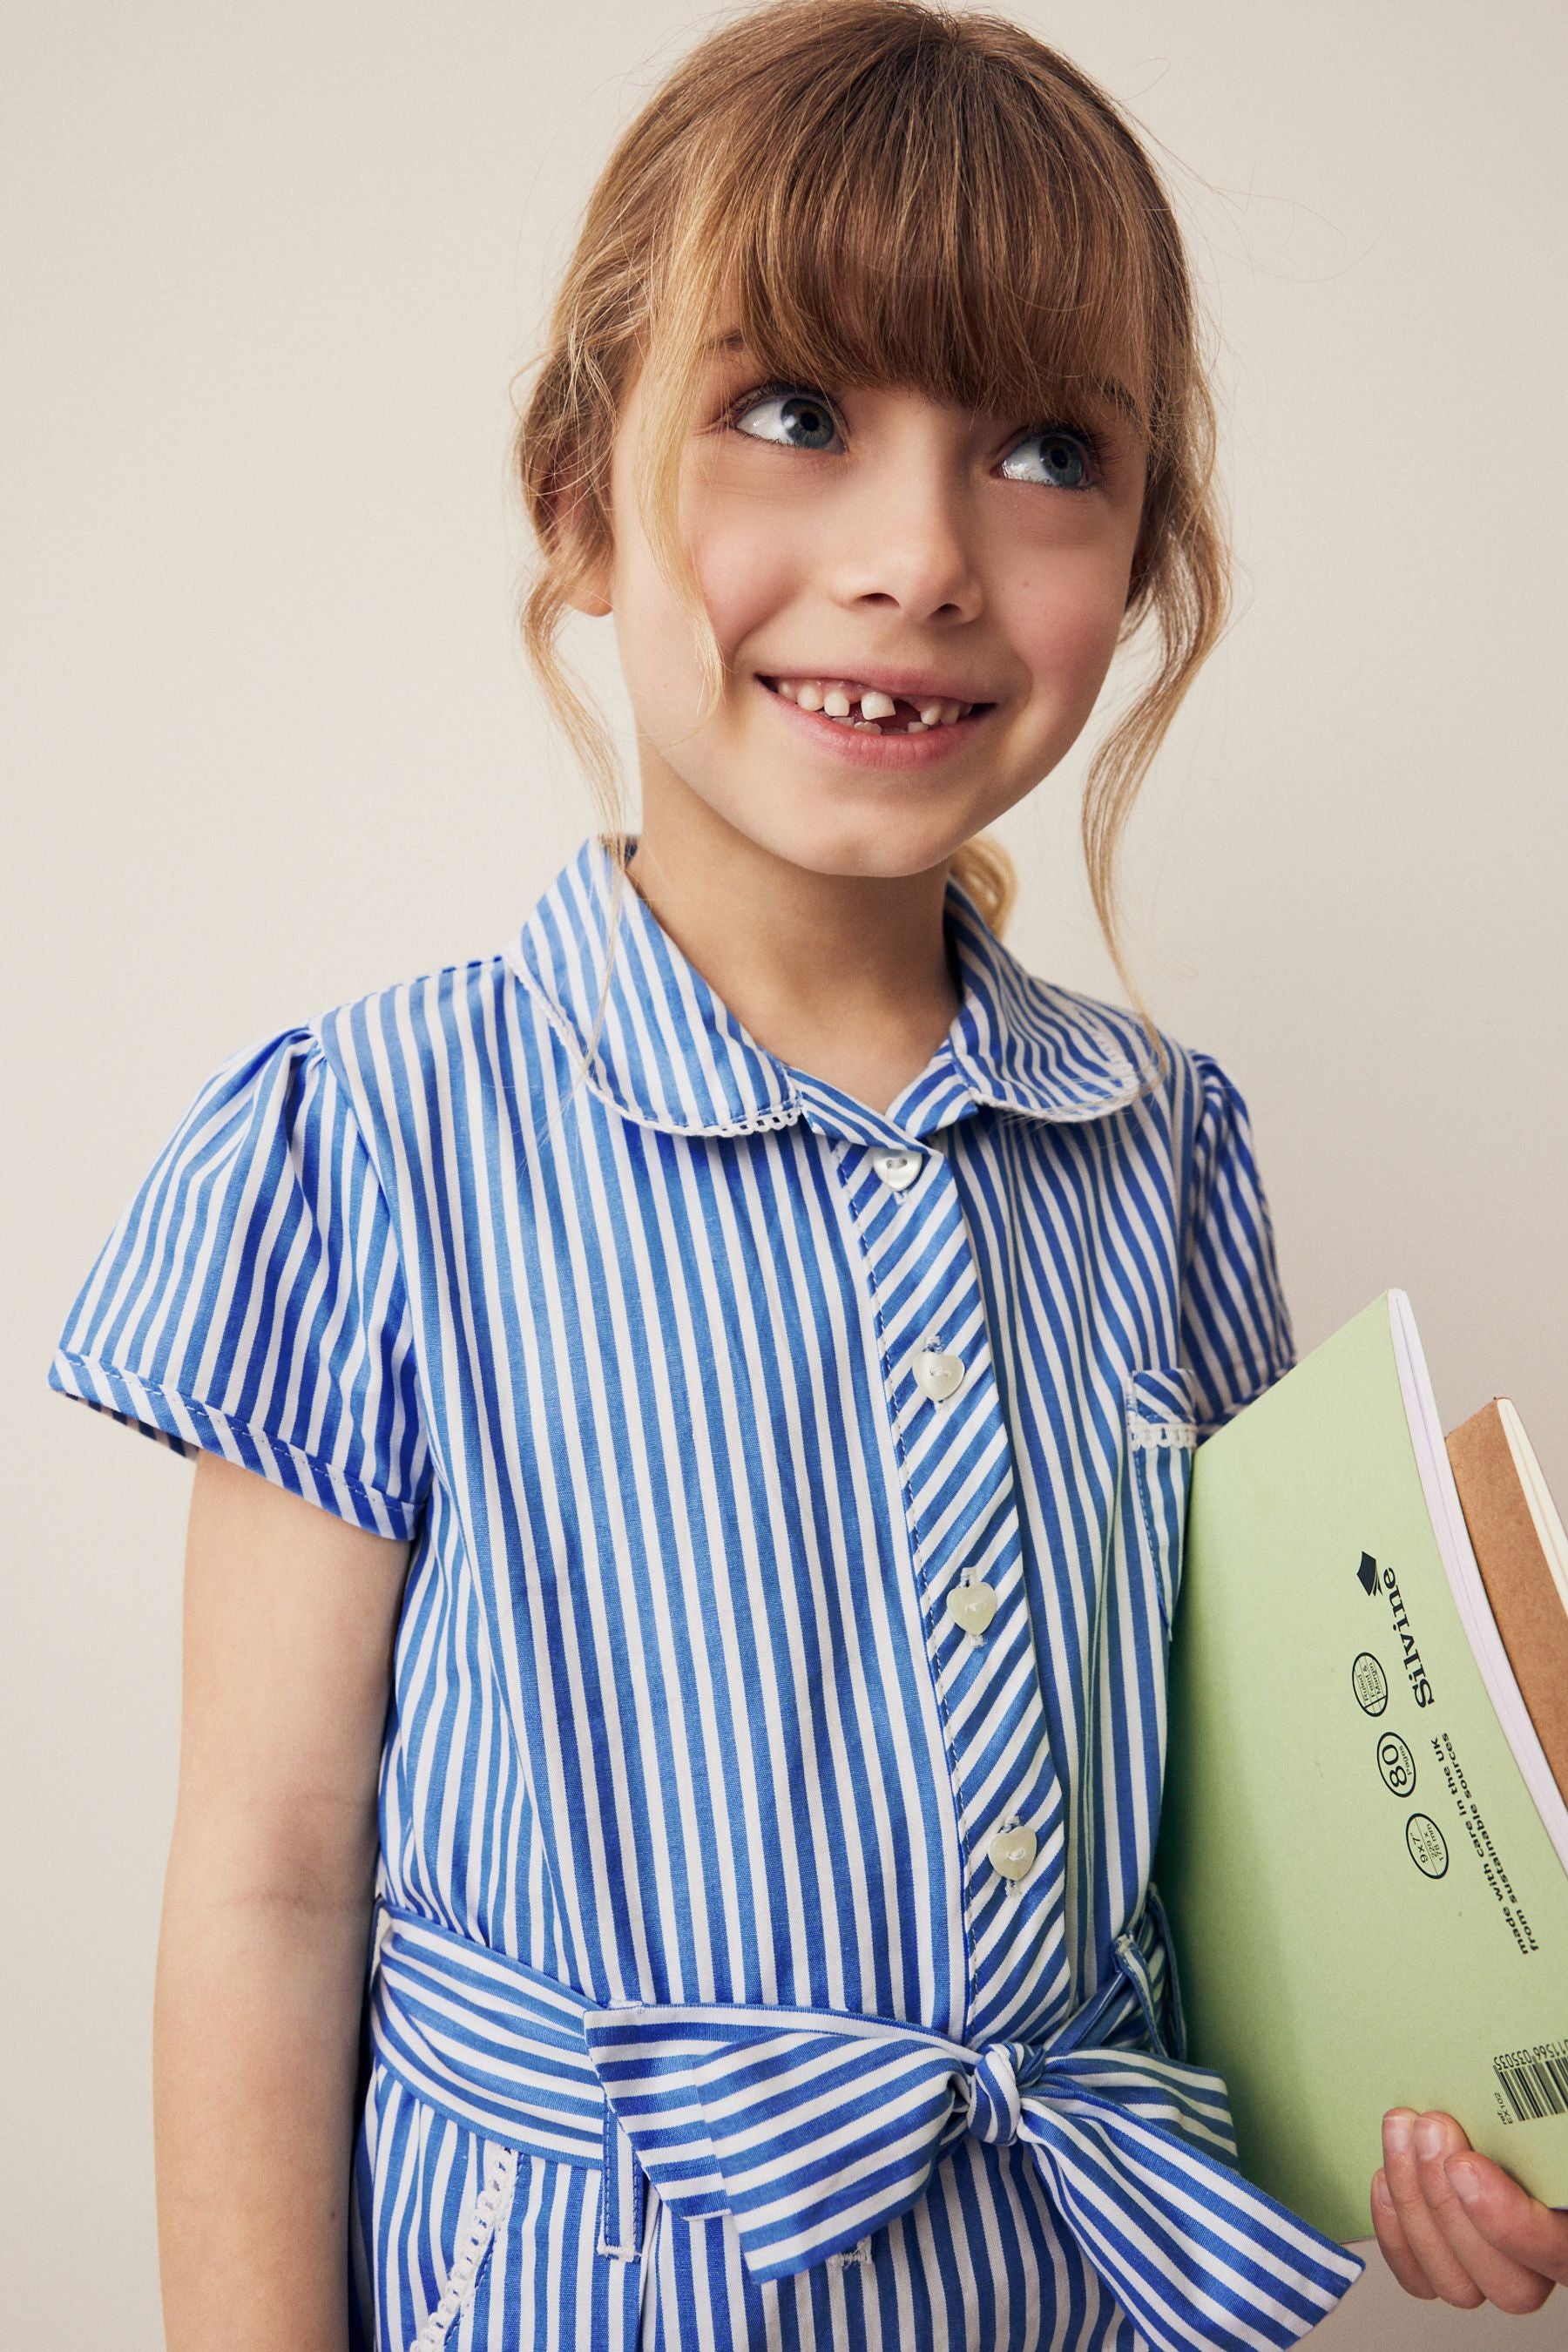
[(289, 1616)]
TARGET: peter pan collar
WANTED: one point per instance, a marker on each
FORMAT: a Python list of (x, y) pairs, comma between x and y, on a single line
[(670, 1054)]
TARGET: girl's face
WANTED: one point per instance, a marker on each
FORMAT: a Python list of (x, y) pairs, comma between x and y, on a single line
[(872, 539)]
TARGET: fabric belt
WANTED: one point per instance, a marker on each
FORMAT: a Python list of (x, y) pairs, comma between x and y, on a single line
[(811, 2127)]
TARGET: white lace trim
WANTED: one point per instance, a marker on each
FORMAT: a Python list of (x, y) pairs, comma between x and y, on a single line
[(492, 2207)]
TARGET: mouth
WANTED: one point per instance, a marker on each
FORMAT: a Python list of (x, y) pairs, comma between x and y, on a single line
[(850, 707)]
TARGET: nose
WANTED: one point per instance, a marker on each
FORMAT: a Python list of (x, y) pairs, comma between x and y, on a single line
[(909, 541)]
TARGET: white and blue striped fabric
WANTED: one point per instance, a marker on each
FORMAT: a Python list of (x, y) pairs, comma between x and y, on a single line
[(763, 1953)]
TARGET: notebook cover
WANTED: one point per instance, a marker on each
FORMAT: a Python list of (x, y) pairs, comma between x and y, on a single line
[(1365, 1906), (1519, 1584)]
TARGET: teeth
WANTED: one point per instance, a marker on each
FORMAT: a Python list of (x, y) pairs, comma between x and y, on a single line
[(838, 698)]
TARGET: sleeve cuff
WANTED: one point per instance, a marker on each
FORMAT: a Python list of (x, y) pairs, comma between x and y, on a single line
[(190, 1427)]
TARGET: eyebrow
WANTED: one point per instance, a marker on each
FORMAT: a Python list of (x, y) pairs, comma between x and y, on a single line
[(1107, 386), (1119, 396)]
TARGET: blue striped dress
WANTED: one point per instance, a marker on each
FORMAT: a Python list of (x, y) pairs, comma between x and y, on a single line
[(763, 1951)]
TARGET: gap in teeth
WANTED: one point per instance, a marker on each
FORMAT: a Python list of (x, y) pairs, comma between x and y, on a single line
[(837, 700)]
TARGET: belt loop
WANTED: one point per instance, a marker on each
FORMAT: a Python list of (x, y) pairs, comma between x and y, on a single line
[(1173, 1977), (1135, 1969), (621, 2200), (621, 2212)]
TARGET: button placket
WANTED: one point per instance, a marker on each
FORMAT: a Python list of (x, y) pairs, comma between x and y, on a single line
[(956, 1468)]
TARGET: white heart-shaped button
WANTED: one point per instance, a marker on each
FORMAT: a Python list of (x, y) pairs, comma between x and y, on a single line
[(1011, 1852), (938, 1373), (973, 1606), (897, 1168)]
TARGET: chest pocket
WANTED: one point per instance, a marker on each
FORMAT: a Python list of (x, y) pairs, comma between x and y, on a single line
[(1157, 1477)]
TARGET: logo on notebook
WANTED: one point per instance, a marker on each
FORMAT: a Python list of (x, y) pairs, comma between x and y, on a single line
[(1396, 1764), (1366, 1574), (1420, 1688), (1428, 1850), (1370, 1684)]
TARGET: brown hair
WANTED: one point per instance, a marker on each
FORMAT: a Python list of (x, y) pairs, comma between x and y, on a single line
[(892, 193)]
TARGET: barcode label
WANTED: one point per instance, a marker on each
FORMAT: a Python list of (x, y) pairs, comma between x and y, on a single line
[(1535, 2082)]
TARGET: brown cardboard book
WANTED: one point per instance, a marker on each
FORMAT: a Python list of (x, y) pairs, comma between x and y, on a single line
[(1521, 1551)]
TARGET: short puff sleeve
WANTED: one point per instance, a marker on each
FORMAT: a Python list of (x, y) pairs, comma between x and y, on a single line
[(1236, 1333), (250, 1301)]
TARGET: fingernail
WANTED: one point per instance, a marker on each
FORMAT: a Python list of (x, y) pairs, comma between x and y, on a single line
[(1396, 2131), (1429, 2137), (1466, 2179)]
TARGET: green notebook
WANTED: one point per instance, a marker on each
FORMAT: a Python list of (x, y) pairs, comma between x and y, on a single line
[(1364, 1855)]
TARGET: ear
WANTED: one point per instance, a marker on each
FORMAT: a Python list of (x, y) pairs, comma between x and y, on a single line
[(586, 574), (583, 599)]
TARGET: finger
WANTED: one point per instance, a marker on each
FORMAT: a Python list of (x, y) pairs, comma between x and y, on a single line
[(1397, 2253), (1502, 2280), (1534, 2235), (1425, 2241)]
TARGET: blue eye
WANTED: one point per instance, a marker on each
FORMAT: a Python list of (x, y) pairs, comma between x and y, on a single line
[(800, 412), (1070, 457)]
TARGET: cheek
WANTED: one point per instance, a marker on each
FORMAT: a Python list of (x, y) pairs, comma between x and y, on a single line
[(746, 570), (743, 577), (1065, 624), (655, 638)]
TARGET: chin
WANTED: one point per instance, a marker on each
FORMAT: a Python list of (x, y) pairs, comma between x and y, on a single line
[(866, 844)]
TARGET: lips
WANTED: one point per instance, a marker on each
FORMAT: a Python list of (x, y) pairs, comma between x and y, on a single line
[(906, 708), (898, 744)]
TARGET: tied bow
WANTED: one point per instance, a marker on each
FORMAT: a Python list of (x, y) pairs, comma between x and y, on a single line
[(812, 2128)]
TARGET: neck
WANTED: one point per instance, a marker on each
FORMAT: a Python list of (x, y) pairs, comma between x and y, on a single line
[(846, 977)]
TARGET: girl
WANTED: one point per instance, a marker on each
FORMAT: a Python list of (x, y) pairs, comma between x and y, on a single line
[(673, 1731)]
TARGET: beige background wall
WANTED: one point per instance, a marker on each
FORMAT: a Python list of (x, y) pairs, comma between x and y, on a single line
[(269, 271)]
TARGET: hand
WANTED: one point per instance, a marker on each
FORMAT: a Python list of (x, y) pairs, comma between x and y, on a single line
[(1453, 2223)]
